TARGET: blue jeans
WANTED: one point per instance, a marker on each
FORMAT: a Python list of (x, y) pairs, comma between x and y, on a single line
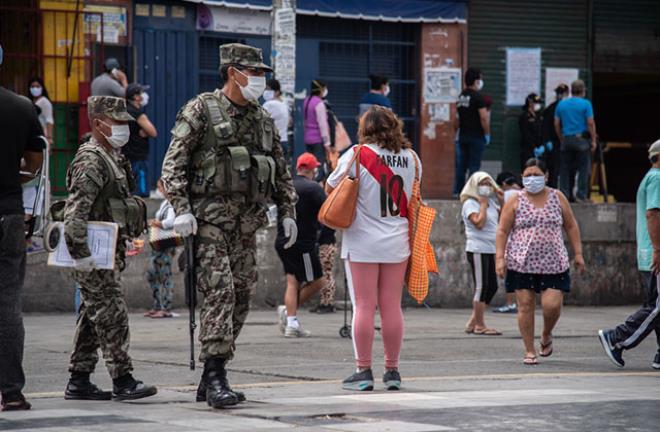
[(469, 152), (575, 155), (140, 172)]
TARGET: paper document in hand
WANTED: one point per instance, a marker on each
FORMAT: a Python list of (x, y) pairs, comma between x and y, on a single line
[(102, 241)]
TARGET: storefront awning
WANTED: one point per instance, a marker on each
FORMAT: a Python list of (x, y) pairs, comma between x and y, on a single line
[(373, 10)]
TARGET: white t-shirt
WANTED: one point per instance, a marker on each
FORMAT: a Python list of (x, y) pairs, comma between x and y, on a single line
[(379, 233), (508, 194), (480, 240), (46, 116), (279, 111)]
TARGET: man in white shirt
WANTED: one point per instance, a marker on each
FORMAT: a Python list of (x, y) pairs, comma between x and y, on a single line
[(279, 111)]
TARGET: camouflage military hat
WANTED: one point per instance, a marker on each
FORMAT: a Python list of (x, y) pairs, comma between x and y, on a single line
[(243, 55), (109, 106)]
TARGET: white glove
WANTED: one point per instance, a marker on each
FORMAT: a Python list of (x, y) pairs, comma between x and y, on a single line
[(290, 231), (85, 264), (185, 225)]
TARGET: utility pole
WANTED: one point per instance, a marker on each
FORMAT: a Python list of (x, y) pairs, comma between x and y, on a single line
[(283, 53)]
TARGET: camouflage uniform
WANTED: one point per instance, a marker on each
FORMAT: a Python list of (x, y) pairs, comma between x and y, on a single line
[(103, 319), (225, 244)]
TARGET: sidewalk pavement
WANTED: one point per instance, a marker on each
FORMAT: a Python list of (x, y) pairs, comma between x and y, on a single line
[(452, 381)]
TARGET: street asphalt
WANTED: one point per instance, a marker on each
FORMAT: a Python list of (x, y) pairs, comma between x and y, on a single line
[(452, 381)]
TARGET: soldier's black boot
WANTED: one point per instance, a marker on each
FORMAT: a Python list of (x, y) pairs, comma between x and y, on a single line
[(128, 388), (201, 390), (81, 388), (218, 393)]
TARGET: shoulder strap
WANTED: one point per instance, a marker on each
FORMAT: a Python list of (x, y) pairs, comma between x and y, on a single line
[(356, 159), (416, 158), (114, 170), (218, 118)]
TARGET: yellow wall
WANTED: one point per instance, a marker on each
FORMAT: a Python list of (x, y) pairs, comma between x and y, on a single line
[(58, 38)]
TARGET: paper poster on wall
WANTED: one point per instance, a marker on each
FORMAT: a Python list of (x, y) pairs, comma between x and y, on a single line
[(439, 111), (115, 30), (233, 20), (556, 76), (442, 85), (523, 74)]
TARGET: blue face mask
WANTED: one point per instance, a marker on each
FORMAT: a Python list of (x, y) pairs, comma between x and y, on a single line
[(534, 184)]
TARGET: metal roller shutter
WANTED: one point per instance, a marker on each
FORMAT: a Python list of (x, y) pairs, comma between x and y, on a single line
[(558, 27)]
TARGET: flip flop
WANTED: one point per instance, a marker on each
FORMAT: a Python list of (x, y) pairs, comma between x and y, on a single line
[(469, 330), (488, 332), (545, 346), (530, 361)]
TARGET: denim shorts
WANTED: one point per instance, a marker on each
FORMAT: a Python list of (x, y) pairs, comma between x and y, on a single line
[(537, 282)]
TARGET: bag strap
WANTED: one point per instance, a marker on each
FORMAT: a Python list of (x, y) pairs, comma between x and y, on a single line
[(356, 159), (416, 164)]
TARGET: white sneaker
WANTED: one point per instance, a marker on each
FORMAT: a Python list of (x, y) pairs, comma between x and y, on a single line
[(296, 332), (281, 318)]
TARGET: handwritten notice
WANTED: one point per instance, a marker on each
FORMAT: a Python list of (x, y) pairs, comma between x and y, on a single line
[(523, 74)]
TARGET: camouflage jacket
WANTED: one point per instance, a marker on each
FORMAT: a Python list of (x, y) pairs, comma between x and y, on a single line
[(226, 212), (86, 177)]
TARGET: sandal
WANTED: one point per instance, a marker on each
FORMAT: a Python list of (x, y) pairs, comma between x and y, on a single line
[(545, 346), (469, 330), (530, 361), (487, 332)]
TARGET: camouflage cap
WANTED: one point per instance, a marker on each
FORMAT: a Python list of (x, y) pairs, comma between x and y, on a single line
[(109, 106), (243, 55)]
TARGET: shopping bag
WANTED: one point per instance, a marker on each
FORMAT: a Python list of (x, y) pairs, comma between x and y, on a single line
[(338, 210)]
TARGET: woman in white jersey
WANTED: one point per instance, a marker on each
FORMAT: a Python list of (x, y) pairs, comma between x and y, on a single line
[(376, 246)]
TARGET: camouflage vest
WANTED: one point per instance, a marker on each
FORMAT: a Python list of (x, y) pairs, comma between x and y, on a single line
[(234, 160), (114, 203)]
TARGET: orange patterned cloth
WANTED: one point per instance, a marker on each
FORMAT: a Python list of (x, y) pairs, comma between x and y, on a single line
[(422, 257)]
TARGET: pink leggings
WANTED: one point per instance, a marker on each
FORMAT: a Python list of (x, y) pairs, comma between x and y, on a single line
[(382, 285)]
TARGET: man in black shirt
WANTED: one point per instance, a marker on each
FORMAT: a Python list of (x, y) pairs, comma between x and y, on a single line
[(137, 148), (550, 138), (301, 261), (473, 125), (21, 152)]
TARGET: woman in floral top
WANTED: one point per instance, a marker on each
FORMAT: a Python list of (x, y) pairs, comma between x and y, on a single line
[(530, 250)]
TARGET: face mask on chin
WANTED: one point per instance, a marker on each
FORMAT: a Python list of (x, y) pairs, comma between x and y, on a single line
[(254, 88), (534, 184), (119, 135)]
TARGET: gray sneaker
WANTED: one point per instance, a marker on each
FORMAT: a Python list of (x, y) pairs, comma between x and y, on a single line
[(296, 332), (359, 381), (281, 318)]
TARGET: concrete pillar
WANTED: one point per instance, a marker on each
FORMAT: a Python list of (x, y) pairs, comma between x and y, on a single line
[(443, 58)]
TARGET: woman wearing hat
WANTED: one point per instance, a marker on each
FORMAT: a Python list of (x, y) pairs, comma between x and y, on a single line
[(530, 127)]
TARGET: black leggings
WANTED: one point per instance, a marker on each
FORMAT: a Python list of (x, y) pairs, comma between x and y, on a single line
[(483, 275), (318, 150)]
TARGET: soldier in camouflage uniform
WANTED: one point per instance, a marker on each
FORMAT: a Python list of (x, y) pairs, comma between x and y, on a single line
[(224, 163), (98, 182)]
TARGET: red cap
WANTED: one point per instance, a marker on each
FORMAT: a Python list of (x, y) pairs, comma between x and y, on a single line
[(308, 161)]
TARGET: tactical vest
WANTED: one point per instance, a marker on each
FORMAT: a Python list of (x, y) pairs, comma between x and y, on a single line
[(114, 200), (229, 165)]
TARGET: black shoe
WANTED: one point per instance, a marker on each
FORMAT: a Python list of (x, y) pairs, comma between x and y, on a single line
[(133, 390), (85, 390), (14, 402), (218, 393), (615, 354), (201, 392), (359, 381), (325, 309), (656, 361), (392, 380)]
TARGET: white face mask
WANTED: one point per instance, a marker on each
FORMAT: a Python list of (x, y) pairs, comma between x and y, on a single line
[(269, 95), (387, 90), (145, 98), (480, 84), (119, 136), (537, 107), (325, 93), (534, 184), (254, 88), (36, 91), (485, 190)]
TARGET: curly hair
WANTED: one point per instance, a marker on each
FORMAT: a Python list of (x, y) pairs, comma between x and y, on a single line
[(381, 126)]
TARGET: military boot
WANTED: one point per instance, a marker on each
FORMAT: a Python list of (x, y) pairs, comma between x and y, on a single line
[(201, 391), (128, 388), (81, 388), (218, 393)]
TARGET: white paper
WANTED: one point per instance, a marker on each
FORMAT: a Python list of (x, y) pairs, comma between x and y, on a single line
[(233, 20), (556, 76), (439, 112), (102, 241), (523, 74), (442, 85)]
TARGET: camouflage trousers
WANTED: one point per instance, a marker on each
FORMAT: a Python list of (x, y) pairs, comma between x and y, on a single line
[(328, 256), (159, 276), (226, 274), (102, 323)]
